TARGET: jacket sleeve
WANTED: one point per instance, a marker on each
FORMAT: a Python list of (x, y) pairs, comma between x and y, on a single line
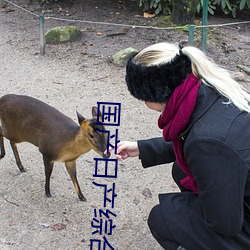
[(155, 151), (220, 173)]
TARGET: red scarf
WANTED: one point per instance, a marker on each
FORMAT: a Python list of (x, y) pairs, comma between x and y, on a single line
[(174, 119)]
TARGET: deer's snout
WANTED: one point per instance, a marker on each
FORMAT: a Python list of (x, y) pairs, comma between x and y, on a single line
[(106, 155)]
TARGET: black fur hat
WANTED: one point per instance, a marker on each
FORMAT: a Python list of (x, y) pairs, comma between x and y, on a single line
[(156, 83)]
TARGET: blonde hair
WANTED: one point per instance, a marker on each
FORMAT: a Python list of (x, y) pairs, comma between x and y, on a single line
[(202, 67)]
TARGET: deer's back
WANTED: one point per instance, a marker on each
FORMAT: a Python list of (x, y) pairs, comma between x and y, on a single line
[(24, 118)]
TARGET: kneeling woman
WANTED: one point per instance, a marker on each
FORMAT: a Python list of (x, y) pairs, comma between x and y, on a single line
[(205, 119)]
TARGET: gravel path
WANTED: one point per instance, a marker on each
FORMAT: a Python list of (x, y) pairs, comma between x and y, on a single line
[(74, 77), (71, 80)]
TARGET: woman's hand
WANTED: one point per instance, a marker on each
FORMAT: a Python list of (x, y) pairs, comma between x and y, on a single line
[(126, 149)]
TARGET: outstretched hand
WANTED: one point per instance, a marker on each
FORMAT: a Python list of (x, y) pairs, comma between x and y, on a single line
[(126, 149)]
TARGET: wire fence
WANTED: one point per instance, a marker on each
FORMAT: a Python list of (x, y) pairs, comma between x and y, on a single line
[(191, 28)]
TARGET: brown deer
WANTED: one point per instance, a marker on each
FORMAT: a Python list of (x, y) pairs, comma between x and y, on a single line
[(58, 138)]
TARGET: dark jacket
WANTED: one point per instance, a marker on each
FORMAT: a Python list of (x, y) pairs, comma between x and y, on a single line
[(216, 145)]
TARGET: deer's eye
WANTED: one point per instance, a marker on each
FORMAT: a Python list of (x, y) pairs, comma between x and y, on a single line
[(91, 136)]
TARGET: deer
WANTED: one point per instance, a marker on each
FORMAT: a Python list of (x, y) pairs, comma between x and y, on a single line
[(58, 138)]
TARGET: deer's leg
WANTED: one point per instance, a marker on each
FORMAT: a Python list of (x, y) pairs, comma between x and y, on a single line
[(48, 165), (71, 168), (18, 161), (1, 144)]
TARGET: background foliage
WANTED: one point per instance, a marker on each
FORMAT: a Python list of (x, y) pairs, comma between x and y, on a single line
[(165, 6), (227, 6)]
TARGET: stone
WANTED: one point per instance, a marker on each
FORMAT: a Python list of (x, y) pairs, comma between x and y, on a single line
[(63, 34), (121, 58), (147, 193)]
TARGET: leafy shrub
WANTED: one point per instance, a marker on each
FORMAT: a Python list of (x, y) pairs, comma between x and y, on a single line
[(225, 5), (211, 7), (157, 6), (232, 6), (165, 6)]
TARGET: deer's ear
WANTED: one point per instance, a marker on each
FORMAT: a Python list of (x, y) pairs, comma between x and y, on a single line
[(80, 118), (96, 112)]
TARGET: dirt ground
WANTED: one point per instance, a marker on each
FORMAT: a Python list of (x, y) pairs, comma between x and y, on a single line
[(75, 76)]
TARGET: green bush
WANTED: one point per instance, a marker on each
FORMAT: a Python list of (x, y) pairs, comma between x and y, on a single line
[(232, 6), (227, 6), (211, 7), (156, 6)]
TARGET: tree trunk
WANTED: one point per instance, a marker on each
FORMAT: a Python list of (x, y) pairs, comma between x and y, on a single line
[(183, 11)]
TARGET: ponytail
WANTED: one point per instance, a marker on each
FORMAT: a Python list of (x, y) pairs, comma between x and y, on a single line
[(218, 78)]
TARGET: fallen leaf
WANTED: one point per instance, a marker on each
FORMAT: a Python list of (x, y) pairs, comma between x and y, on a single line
[(147, 15), (58, 227), (44, 225), (147, 193)]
